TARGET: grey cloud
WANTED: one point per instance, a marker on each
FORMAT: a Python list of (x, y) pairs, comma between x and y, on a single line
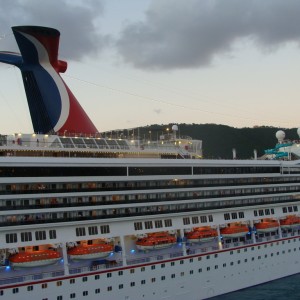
[(74, 19), (191, 33)]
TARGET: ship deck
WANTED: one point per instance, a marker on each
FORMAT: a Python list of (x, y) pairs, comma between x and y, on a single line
[(9, 276)]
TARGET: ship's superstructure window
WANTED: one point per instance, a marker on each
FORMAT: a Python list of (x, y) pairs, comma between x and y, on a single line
[(97, 291), (85, 293), (168, 223), (40, 235), (158, 224), (93, 230), (104, 229), (73, 295), (138, 226), (186, 221), (30, 288), (148, 225), (11, 238), (15, 290), (80, 231), (195, 220), (52, 234), (26, 236)]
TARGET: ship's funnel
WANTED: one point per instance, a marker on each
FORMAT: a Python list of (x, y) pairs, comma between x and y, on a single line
[(52, 106)]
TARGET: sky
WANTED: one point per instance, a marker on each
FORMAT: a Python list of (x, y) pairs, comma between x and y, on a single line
[(141, 62)]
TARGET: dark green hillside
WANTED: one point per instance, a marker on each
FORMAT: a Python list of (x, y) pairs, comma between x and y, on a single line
[(219, 140)]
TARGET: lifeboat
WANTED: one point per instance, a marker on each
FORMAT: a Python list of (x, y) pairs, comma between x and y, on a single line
[(267, 225), (34, 258), (93, 251), (201, 234), (156, 240), (234, 230), (290, 222)]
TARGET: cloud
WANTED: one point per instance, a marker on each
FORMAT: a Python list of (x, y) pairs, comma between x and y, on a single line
[(157, 111), (191, 33), (74, 19)]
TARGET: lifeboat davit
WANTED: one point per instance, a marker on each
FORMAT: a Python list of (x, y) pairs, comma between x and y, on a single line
[(234, 230), (290, 222), (201, 234), (267, 225), (34, 258), (93, 251), (156, 240)]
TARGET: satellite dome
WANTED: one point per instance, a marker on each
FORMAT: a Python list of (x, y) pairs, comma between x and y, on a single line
[(298, 131), (280, 135), (175, 128)]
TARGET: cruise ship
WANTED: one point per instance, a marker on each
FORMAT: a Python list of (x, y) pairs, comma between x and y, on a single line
[(86, 216)]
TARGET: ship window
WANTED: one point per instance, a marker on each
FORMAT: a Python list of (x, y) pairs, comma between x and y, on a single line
[(208, 268), (143, 281), (109, 288), (210, 218), (142, 269), (195, 220), (191, 260), (93, 230), (44, 285), (97, 277), (52, 234), (15, 290), (255, 213), (231, 263), (152, 267), (72, 281), (26, 236), (59, 298), (203, 219), (97, 291), (234, 215), (158, 224), (267, 211), (85, 293), (120, 273), (148, 225), (73, 295), (227, 216), (168, 222), (261, 212), (241, 214), (162, 265), (80, 231), (186, 221), (30, 288), (84, 279), (173, 263), (58, 283), (245, 260), (224, 265), (104, 229), (138, 226), (40, 235), (290, 208), (216, 267), (131, 271), (295, 208), (132, 283), (173, 276), (11, 238), (152, 279), (199, 258), (120, 286), (272, 211), (1, 293), (163, 278), (109, 275), (284, 210)]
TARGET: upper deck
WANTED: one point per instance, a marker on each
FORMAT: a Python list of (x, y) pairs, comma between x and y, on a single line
[(96, 146)]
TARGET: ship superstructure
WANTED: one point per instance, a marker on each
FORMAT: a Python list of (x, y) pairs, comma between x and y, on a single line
[(83, 216)]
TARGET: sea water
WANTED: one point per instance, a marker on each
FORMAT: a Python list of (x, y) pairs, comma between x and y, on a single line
[(287, 288)]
